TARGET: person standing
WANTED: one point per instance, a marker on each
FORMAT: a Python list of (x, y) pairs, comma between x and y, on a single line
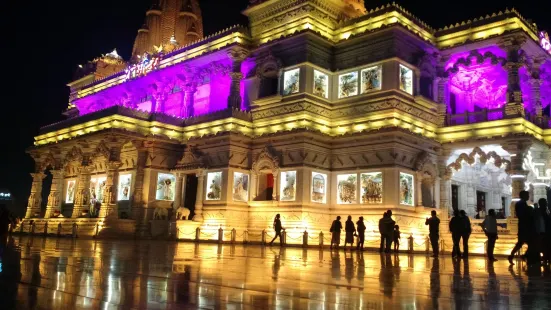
[(360, 226), (396, 236), (523, 213), (489, 225), (434, 232), (455, 230), (546, 243), (350, 230), (466, 230), (277, 228), (335, 229), (386, 229)]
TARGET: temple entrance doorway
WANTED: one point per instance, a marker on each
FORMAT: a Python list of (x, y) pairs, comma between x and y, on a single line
[(190, 195), (481, 204), (265, 186)]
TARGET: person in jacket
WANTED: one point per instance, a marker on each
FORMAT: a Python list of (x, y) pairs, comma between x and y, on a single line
[(434, 232), (489, 225), (386, 229), (465, 225), (350, 231), (542, 222), (525, 224), (360, 226), (455, 230), (277, 229), (335, 229)]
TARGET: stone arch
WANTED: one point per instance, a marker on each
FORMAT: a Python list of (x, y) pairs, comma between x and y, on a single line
[(483, 157), (266, 161)]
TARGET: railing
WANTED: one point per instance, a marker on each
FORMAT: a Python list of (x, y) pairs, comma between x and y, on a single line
[(541, 121), (44, 228), (483, 115)]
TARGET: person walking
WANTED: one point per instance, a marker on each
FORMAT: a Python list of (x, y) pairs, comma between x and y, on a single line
[(277, 228), (386, 229), (525, 223), (360, 226), (465, 226), (455, 230), (335, 229), (434, 232), (546, 242), (396, 236), (350, 230), (489, 225), (539, 225)]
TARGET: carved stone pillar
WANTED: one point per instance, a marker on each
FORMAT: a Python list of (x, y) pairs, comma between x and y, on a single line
[(109, 206), (237, 55), (419, 189), (35, 198), (159, 98), (442, 107), (436, 193), (187, 106), (514, 107), (254, 185), (82, 197), (518, 175), (180, 180), (275, 191), (137, 196), (535, 85), (198, 217), (54, 198)]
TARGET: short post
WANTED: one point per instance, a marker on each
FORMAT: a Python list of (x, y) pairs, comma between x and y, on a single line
[(427, 244), (245, 236), (33, 226), (284, 237), (220, 235), (233, 235), (45, 229), (75, 227), (197, 234), (410, 243), (321, 239), (263, 237), (305, 239), (97, 230)]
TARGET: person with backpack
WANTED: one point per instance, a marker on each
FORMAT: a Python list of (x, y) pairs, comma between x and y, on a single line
[(465, 231)]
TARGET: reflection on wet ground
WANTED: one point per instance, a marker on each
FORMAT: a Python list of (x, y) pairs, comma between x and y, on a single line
[(49, 273)]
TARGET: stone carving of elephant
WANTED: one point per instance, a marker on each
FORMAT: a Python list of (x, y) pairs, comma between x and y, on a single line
[(182, 213), (160, 214)]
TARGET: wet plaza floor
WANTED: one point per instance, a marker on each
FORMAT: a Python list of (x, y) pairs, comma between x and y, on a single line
[(50, 273)]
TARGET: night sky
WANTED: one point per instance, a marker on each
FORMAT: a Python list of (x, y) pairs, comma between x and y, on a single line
[(46, 40)]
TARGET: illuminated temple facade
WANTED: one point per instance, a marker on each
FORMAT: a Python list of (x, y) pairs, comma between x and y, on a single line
[(319, 108)]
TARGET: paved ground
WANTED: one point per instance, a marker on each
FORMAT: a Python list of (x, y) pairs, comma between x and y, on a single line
[(50, 273)]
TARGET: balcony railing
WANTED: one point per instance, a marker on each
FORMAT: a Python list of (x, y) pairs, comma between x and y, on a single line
[(483, 115)]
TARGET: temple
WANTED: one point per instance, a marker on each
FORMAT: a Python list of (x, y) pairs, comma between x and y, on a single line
[(319, 108)]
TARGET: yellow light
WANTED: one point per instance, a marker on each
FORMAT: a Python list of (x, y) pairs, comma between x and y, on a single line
[(346, 35)]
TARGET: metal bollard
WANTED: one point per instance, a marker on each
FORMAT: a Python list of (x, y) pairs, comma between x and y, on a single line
[(427, 244), (321, 239), (284, 237), (59, 229), (220, 235), (75, 228), (197, 234), (263, 240), (233, 235), (410, 243), (305, 239), (33, 226), (45, 229)]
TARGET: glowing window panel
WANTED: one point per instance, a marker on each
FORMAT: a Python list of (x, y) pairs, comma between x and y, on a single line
[(125, 183), (291, 80), (321, 84), (371, 187), (240, 190), (406, 79), (406, 189), (70, 194), (97, 187), (287, 188), (348, 84), (214, 185), (346, 188), (319, 187), (371, 79), (166, 187)]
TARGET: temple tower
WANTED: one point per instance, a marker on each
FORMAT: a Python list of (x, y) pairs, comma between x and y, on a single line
[(168, 24)]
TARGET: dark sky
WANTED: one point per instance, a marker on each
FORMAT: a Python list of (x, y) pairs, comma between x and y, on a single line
[(46, 40)]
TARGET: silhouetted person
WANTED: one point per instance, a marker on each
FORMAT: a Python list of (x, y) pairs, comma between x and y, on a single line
[(360, 226), (546, 242), (386, 229), (489, 225), (396, 235), (335, 229), (455, 230), (434, 232), (277, 228), (350, 230), (523, 213), (465, 231)]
